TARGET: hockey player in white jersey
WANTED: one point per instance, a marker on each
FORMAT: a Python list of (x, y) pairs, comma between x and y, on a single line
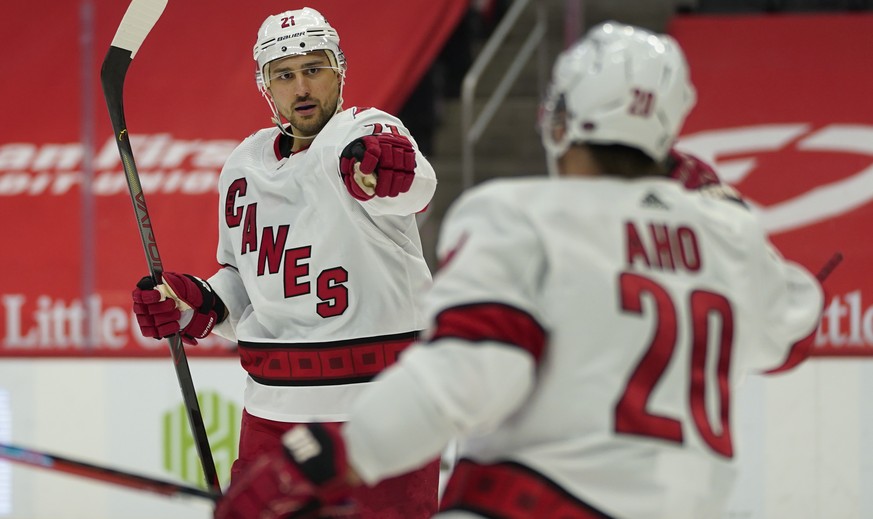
[(587, 332), (322, 265)]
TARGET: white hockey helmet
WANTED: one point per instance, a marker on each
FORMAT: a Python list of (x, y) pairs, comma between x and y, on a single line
[(620, 84), (293, 33)]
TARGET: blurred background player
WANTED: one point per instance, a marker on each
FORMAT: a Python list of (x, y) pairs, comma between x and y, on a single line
[(587, 331), (322, 266)]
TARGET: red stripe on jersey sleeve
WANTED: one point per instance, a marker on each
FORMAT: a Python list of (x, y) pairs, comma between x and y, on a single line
[(802, 349), (799, 352), (492, 322)]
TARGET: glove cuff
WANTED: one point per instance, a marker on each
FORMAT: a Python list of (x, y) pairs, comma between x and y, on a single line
[(211, 302), (206, 315), (319, 452)]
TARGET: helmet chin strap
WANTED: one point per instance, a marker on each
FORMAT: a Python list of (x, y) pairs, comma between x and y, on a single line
[(276, 120), (552, 167), (554, 151)]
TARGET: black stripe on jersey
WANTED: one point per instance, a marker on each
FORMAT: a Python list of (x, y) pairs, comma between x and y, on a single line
[(491, 321), (410, 336), (312, 382), (351, 361), (510, 489)]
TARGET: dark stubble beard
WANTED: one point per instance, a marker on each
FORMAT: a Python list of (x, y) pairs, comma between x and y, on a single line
[(311, 126)]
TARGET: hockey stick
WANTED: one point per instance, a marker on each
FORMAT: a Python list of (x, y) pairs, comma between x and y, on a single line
[(829, 267), (139, 19), (117, 477)]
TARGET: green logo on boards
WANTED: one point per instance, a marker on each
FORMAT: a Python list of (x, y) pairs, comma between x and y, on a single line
[(221, 419)]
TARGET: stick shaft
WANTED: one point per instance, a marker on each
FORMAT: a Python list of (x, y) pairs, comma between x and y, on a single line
[(829, 267), (137, 22), (56, 463)]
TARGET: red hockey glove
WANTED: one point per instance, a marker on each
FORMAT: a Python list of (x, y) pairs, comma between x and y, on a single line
[(690, 170), (303, 477), (697, 175), (378, 165), (182, 304)]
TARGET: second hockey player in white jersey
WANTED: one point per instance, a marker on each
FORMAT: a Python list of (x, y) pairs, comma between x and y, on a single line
[(587, 332)]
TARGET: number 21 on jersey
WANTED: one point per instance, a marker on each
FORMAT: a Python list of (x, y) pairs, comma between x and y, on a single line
[(703, 307)]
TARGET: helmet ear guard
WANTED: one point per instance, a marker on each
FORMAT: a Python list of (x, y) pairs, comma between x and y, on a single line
[(618, 85)]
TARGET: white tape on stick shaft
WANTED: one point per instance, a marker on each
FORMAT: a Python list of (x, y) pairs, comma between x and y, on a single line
[(169, 293)]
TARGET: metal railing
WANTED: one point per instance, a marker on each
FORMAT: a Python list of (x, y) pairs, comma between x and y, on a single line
[(473, 127)]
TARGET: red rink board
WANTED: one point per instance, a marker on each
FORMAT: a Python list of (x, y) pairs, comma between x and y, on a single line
[(784, 107)]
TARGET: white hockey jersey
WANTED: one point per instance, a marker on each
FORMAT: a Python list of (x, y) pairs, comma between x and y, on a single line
[(323, 290), (589, 334)]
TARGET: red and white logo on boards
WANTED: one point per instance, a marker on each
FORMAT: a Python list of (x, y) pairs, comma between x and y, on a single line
[(825, 200), (813, 187)]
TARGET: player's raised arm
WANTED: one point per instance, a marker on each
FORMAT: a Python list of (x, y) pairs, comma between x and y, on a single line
[(382, 167)]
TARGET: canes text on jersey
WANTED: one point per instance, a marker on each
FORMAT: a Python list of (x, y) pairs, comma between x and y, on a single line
[(661, 246), (273, 256)]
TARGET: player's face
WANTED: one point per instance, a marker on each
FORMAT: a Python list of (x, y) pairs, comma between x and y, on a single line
[(305, 89)]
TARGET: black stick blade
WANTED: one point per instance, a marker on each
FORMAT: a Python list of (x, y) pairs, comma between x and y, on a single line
[(112, 74)]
